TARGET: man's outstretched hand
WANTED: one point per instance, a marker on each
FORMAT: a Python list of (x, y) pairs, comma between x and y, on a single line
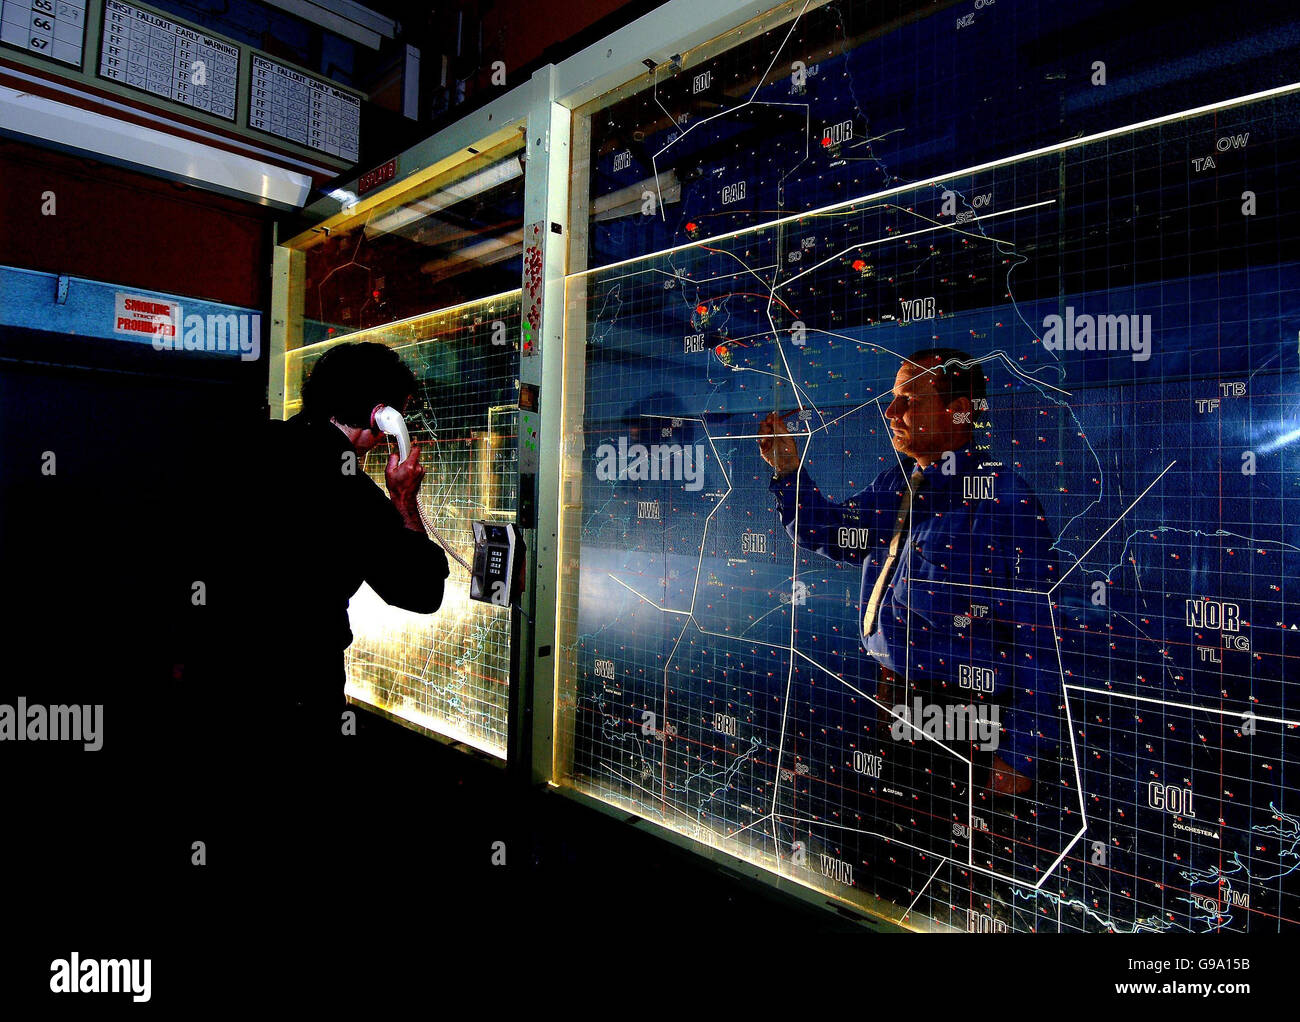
[(1007, 780), (776, 445)]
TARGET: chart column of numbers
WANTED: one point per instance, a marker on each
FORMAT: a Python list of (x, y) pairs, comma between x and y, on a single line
[(127, 52), (344, 125), (54, 28), (205, 75), (279, 101), (334, 119)]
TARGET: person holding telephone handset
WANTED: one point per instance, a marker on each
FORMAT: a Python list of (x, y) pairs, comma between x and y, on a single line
[(296, 527), (360, 534)]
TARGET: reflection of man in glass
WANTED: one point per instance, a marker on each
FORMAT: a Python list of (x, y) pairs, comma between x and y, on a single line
[(952, 550)]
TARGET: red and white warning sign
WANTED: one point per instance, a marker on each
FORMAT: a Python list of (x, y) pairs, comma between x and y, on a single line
[(145, 316)]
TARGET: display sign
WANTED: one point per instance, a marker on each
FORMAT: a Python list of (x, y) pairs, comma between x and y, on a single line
[(52, 28), (314, 113), (144, 315), (149, 52), (372, 179)]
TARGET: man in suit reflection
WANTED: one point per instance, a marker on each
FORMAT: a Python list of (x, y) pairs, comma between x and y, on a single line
[(948, 581)]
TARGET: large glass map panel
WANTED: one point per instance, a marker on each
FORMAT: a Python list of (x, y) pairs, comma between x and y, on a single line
[(432, 243), (1113, 252), (448, 673)]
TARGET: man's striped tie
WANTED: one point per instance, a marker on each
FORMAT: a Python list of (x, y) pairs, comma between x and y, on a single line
[(872, 613)]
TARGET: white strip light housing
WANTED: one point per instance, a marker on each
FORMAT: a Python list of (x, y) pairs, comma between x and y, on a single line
[(49, 122)]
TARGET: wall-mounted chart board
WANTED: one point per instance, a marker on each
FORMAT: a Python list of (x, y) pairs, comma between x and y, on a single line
[(149, 52), (303, 109), (51, 28)]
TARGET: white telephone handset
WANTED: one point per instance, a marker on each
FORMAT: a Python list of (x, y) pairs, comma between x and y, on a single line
[(390, 420)]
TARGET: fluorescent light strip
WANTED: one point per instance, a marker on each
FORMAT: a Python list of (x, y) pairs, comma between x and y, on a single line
[(474, 184), (402, 322), (168, 122), (97, 134)]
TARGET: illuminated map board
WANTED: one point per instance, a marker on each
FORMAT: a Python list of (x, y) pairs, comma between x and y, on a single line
[(169, 60), (52, 28), (447, 673), (303, 109), (1050, 685)]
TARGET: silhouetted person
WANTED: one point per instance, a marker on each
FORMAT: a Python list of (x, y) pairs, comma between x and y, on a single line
[(301, 527)]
